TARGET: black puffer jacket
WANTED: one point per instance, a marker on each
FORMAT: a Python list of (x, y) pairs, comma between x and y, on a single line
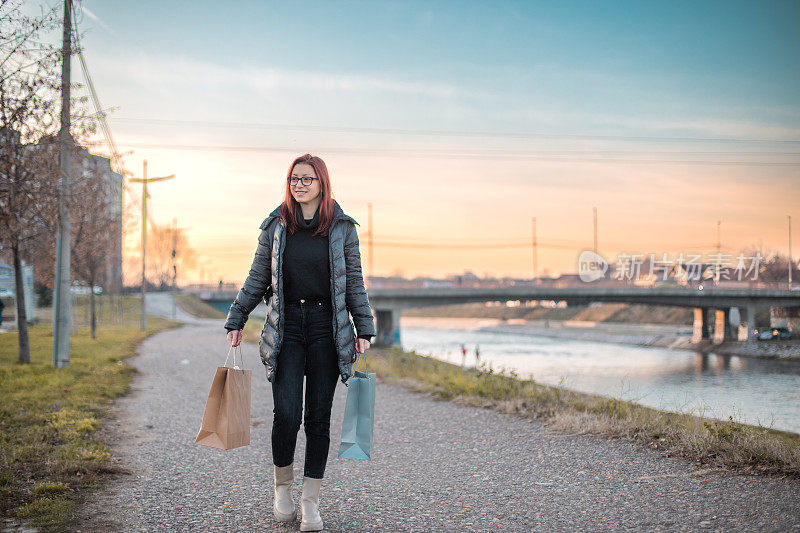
[(265, 280)]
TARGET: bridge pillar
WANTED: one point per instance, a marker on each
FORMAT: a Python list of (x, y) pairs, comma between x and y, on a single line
[(388, 327), (748, 322), (700, 328), (785, 317), (720, 325)]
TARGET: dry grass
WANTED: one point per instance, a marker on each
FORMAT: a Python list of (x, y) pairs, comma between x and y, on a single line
[(252, 330), (197, 307), (49, 415), (610, 312), (718, 443)]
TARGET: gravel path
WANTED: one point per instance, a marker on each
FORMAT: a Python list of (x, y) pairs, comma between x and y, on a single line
[(162, 304), (438, 466)]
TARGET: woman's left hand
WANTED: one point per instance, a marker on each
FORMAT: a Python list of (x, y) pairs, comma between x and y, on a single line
[(362, 345)]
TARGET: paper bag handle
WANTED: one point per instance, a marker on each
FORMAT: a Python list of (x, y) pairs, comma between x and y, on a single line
[(241, 356), (363, 356)]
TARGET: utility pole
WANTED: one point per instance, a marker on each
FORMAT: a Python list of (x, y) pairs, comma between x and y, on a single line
[(594, 211), (719, 254), (144, 239), (174, 266), (144, 181), (62, 304), (371, 239), (535, 252), (791, 261)]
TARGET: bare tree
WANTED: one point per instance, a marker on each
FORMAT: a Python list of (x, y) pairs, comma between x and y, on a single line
[(29, 107), (27, 184), (776, 269), (160, 241), (772, 266), (96, 227)]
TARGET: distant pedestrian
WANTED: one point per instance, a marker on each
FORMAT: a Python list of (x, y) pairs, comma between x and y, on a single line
[(477, 355), (308, 248), (463, 355)]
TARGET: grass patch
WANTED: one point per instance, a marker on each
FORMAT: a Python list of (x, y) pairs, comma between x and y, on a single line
[(252, 329), (50, 488), (197, 307), (48, 512), (729, 444), (48, 415)]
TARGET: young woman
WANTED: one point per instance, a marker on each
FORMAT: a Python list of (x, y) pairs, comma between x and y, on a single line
[(307, 267)]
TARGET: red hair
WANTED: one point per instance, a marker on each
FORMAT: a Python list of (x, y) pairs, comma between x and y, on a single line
[(291, 207)]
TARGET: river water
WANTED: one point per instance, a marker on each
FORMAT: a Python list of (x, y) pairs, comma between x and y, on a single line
[(757, 391)]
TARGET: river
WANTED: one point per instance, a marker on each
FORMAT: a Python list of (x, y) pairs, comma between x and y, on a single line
[(756, 391)]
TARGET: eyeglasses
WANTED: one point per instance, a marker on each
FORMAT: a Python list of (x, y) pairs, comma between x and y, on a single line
[(306, 180)]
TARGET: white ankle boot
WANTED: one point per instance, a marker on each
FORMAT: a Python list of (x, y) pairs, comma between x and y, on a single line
[(309, 505), (283, 505)]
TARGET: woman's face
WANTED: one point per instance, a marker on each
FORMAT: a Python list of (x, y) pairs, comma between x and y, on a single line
[(304, 193)]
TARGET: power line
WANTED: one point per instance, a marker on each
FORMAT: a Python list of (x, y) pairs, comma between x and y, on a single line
[(450, 245), (498, 151), (513, 245), (461, 154), (453, 133), (487, 245), (567, 243), (101, 115)]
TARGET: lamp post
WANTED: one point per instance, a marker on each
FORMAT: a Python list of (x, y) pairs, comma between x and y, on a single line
[(144, 181), (791, 261)]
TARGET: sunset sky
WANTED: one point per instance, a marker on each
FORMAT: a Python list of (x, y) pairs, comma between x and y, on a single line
[(461, 121)]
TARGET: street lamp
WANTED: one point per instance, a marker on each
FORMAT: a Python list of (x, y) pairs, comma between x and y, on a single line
[(791, 261), (144, 181)]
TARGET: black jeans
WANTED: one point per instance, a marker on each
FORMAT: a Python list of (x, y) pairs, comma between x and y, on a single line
[(308, 349)]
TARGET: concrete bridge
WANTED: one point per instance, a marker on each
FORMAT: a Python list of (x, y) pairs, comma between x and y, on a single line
[(388, 304), (710, 304)]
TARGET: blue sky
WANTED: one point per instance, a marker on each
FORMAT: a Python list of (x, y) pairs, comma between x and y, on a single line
[(623, 75), (726, 60)]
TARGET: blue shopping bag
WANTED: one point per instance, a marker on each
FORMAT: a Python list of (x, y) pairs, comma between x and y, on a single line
[(359, 414)]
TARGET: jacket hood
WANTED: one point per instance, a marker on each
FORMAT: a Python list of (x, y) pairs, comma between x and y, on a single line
[(337, 214)]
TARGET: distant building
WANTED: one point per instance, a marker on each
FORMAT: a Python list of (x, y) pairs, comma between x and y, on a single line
[(102, 165), (92, 165), (8, 290), (97, 165), (430, 283), (568, 280)]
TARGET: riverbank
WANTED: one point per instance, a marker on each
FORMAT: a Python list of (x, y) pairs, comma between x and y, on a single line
[(196, 307), (614, 323), (654, 335), (733, 445), (596, 312)]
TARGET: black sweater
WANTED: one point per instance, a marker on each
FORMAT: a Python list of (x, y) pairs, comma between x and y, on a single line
[(306, 265)]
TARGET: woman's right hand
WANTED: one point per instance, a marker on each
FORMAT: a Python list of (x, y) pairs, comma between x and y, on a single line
[(235, 337)]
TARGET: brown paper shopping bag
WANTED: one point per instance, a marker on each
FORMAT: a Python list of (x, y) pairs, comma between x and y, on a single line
[(226, 420)]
